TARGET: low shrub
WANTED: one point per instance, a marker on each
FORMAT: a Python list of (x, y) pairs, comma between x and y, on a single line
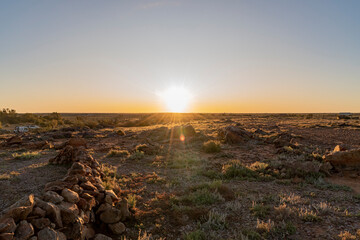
[(211, 146)]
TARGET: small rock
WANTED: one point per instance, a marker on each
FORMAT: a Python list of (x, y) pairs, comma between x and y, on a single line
[(38, 212), (88, 186), (41, 223), (8, 236), (52, 210), (7, 225), (69, 211), (19, 210), (53, 197), (70, 195), (48, 234), (102, 237), (24, 230), (117, 228), (112, 215)]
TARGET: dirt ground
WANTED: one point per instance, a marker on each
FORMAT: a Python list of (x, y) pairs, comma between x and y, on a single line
[(180, 190)]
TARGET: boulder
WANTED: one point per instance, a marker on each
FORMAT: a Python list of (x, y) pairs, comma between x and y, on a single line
[(24, 230), (14, 140), (349, 159), (234, 135), (20, 210), (70, 196), (77, 142)]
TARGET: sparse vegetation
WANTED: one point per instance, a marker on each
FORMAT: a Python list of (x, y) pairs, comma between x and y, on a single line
[(118, 153), (26, 155), (259, 210), (137, 155), (211, 146)]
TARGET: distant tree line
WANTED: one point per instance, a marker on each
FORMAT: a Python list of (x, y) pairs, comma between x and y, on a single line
[(10, 116)]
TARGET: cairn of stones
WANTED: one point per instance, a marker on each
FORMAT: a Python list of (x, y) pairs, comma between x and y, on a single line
[(75, 207)]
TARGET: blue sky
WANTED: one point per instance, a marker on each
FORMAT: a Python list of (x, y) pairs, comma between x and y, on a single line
[(233, 56)]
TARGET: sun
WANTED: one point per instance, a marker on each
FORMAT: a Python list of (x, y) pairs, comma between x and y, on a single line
[(175, 98)]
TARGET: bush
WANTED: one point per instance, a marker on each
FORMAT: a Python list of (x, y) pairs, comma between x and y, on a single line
[(236, 170), (118, 153), (259, 210), (120, 132), (211, 147), (195, 235), (202, 197), (137, 155)]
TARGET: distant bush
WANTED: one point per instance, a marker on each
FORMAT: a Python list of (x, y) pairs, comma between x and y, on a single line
[(202, 196), (137, 155), (195, 235), (118, 153), (26, 155), (211, 147), (237, 170), (120, 132), (10, 116)]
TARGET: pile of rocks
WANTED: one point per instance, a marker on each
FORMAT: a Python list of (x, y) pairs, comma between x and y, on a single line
[(75, 207)]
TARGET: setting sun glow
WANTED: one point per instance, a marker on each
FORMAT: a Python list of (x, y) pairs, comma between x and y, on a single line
[(176, 99)]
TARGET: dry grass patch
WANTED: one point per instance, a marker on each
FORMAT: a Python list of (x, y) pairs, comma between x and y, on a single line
[(26, 155)]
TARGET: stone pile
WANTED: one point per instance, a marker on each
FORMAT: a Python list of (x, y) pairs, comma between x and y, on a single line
[(75, 207)]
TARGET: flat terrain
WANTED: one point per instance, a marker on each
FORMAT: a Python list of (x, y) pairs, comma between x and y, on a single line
[(269, 184)]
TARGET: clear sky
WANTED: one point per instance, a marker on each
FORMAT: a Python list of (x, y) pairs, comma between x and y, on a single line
[(232, 56)]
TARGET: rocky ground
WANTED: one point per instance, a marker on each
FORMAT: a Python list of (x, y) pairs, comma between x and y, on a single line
[(235, 177)]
